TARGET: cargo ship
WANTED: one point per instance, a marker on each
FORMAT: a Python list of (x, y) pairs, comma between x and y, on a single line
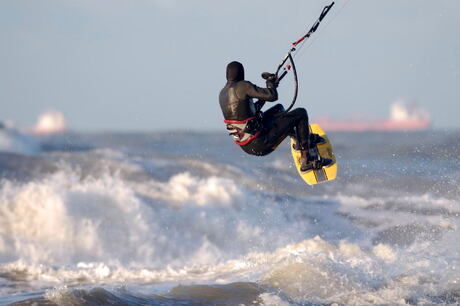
[(403, 117)]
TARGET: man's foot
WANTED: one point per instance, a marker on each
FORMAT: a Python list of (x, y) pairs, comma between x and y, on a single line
[(321, 163), (308, 162), (315, 139)]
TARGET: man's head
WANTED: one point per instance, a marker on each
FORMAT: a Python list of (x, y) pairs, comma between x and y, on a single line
[(235, 72)]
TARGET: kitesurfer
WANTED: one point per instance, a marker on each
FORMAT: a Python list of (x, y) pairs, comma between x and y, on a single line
[(259, 133)]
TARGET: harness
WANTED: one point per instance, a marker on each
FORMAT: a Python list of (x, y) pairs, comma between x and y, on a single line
[(244, 131)]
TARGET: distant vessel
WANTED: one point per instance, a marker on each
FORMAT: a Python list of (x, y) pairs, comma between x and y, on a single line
[(50, 122), (403, 117)]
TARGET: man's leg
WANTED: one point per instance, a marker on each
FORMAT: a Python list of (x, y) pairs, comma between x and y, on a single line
[(293, 123), (302, 131), (273, 111)]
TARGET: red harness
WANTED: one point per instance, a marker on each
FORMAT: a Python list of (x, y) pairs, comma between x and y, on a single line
[(237, 129)]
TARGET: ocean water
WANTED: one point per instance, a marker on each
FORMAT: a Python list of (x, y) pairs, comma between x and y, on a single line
[(187, 218)]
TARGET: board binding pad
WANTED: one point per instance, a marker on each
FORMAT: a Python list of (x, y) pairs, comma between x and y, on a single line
[(325, 174)]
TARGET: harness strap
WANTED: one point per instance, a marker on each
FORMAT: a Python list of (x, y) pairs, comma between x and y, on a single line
[(238, 129)]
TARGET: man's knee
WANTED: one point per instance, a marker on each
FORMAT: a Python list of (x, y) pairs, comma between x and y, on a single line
[(274, 110), (301, 112)]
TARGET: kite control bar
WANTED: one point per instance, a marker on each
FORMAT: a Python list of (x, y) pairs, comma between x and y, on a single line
[(313, 29), (289, 56)]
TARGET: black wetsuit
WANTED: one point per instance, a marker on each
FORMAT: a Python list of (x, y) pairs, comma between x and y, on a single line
[(269, 128)]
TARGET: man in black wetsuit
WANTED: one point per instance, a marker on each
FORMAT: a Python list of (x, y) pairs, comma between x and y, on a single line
[(259, 133)]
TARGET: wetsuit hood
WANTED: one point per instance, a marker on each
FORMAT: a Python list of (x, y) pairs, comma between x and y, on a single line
[(235, 72)]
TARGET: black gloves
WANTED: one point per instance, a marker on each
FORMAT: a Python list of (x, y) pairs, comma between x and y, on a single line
[(271, 79)]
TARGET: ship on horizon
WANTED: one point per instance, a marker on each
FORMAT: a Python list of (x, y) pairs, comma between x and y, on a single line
[(403, 117)]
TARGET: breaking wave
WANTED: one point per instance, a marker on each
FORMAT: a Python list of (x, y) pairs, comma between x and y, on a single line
[(110, 225), (12, 141)]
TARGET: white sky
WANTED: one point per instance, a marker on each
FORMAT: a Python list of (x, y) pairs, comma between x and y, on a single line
[(160, 64)]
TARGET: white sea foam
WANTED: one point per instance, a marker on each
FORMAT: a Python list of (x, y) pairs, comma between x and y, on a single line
[(271, 299), (12, 141), (99, 226), (183, 189), (66, 218), (317, 271)]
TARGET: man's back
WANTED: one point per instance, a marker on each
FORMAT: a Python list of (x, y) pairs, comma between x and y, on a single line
[(235, 102)]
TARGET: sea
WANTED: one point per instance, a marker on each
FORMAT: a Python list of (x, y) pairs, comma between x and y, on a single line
[(187, 218)]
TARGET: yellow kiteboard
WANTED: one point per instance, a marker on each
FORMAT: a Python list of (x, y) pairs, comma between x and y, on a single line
[(313, 177)]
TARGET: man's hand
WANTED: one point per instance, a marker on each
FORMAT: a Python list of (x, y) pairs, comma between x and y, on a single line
[(271, 79)]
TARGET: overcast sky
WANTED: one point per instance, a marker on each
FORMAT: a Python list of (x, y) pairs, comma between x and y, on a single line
[(160, 64)]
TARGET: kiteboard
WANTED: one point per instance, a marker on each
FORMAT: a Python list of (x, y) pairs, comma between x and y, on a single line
[(325, 174)]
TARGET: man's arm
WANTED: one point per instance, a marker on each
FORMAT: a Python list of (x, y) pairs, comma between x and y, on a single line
[(266, 94)]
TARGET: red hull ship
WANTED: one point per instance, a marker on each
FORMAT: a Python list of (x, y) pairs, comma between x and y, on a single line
[(403, 117)]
